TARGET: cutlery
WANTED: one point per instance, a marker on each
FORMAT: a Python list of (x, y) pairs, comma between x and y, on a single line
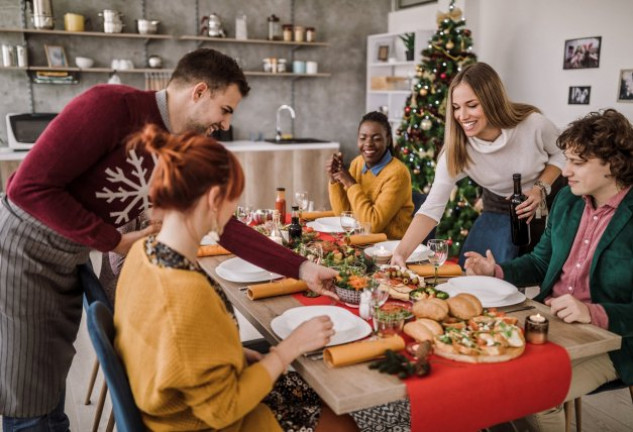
[(519, 309), (314, 355)]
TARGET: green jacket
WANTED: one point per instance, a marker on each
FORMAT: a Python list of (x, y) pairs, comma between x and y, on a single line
[(611, 272)]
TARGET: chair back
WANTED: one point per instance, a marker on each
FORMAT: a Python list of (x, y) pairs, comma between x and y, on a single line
[(101, 330), (93, 291)]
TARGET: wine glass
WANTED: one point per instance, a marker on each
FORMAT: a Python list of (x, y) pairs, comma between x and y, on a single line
[(348, 222), (438, 253), (301, 201), (244, 214)]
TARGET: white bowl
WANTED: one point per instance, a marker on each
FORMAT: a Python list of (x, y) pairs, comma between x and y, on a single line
[(84, 62)]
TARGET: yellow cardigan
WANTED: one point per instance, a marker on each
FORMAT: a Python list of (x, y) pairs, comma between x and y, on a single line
[(182, 352), (383, 200)]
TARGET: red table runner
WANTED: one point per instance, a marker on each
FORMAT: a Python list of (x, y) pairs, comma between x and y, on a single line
[(465, 397)]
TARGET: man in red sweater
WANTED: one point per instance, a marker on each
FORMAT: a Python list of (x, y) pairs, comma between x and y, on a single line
[(74, 189)]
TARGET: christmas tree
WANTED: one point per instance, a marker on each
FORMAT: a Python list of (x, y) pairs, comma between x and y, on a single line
[(421, 133)]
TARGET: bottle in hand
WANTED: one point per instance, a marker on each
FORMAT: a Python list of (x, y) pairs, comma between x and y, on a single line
[(294, 229), (520, 227)]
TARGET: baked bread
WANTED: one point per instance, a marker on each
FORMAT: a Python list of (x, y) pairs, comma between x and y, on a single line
[(433, 308), (464, 306), (423, 329)]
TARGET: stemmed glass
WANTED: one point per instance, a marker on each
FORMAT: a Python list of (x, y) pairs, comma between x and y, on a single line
[(438, 255), (348, 222), (301, 201)]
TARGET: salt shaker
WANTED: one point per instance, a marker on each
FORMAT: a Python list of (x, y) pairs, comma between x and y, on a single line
[(364, 308)]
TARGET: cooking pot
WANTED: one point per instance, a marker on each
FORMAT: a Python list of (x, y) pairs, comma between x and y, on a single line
[(147, 26)]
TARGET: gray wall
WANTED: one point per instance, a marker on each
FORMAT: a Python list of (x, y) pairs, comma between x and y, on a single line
[(327, 108)]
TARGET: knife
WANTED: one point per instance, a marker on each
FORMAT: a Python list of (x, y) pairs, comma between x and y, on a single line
[(519, 309)]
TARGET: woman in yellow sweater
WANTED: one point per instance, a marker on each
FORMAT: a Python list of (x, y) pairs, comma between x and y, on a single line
[(175, 329), (377, 186)]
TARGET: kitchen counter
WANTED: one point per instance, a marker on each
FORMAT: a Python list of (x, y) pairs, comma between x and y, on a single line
[(267, 166)]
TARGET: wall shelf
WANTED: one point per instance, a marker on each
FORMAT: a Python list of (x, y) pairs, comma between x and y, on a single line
[(87, 34), (150, 70), (252, 41)]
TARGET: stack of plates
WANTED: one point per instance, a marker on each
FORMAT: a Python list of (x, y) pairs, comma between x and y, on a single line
[(419, 254), (490, 291), (348, 327), (327, 225), (238, 270)]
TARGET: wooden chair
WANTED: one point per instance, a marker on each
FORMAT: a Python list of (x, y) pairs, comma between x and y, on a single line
[(577, 403)]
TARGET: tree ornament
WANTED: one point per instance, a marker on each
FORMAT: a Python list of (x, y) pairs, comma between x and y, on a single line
[(423, 92), (416, 171), (426, 124), (463, 232), (405, 151), (443, 75)]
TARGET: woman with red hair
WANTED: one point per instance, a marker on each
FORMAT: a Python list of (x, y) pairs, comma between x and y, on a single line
[(175, 329)]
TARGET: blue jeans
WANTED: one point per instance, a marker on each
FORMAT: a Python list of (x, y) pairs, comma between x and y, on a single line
[(54, 421), (491, 231)]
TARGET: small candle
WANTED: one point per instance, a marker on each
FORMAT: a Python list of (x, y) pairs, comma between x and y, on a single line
[(536, 327), (382, 255)]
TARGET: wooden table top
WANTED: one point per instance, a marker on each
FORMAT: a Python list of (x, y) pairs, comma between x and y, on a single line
[(356, 387)]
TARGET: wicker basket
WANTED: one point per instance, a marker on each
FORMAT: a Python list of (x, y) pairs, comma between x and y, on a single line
[(348, 296)]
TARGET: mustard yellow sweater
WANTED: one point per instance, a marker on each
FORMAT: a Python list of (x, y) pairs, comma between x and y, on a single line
[(383, 200), (182, 352)]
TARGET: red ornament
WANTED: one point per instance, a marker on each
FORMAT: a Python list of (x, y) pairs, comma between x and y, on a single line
[(405, 151), (449, 242), (407, 109), (443, 75)]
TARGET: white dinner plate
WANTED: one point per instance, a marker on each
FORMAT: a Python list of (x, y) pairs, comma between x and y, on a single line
[(490, 291), (241, 271), (207, 240), (348, 327), (419, 254), (327, 224)]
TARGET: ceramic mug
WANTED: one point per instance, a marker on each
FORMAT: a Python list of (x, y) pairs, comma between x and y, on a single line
[(311, 67), (299, 67), (74, 22)]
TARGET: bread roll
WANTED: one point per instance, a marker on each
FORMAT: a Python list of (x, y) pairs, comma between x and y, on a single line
[(423, 329), (432, 308), (464, 306)]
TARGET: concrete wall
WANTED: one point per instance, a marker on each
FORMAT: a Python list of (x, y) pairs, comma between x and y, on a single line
[(524, 41), (327, 108)]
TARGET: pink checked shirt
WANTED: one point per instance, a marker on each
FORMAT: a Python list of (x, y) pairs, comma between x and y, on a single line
[(574, 278)]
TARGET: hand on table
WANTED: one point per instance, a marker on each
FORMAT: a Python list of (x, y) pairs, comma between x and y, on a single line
[(398, 259), (569, 309), (319, 279), (310, 335), (527, 209), (476, 264)]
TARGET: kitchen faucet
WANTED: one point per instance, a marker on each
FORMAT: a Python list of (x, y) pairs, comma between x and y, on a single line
[(278, 125)]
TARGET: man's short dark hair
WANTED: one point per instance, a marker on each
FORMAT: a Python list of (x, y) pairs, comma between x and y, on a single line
[(212, 67), (606, 135)]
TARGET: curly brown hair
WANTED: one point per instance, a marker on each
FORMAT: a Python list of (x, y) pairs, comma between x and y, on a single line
[(606, 135)]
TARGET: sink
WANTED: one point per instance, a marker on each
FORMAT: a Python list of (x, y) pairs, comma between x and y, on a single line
[(295, 141)]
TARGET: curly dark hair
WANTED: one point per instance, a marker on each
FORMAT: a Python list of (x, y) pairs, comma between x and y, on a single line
[(607, 135), (381, 119)]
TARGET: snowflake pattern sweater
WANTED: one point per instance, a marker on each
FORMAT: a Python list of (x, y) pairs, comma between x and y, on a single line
[(78, 179)]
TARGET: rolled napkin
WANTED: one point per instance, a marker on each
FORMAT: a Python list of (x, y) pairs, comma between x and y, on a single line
[(362, 239), (312, 215), (358, 352), (272, 289), (446, 270), (212, 250)]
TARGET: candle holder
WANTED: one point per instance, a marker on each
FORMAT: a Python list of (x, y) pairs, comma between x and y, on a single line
[(536, 327)]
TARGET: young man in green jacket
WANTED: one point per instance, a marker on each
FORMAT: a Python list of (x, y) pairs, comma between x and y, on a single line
[(584, 261)]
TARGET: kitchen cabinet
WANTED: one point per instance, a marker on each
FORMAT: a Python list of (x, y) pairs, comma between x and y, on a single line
[(389, 75)]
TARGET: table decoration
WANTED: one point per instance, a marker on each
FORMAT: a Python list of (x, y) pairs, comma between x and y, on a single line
[(312, 215), (363, 239), (358, 352), (536, 327), (212, 250), (444, 271), (272, 289)]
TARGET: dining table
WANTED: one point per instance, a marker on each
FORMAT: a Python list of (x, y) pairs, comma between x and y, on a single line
[(356, 387)]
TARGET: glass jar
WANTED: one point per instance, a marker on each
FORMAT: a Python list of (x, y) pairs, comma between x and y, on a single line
[(310, 34), (281, 65), (287, 31), (298, 33), (268, 66), (274, 28)]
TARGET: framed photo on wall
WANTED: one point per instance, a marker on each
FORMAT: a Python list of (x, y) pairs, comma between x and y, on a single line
[(383, 53), (582, 53), (625, 91), (410, 3), (56, 56), (579, 95)]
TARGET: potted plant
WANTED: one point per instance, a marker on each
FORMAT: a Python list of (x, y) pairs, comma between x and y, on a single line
[(408, 39)]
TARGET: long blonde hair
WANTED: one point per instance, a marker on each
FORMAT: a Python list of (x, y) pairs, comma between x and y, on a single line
[(499, 110)]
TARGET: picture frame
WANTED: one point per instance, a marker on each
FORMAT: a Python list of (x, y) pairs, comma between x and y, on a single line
[(625, 89), (411, 3), (579, 95), (56, 56), (582, 53), (383, 53)]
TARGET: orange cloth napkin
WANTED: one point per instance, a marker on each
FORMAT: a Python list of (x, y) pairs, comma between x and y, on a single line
[(447, 270), (357, 352), (362, 239), (316, 214), (212, 250), (272, 289)]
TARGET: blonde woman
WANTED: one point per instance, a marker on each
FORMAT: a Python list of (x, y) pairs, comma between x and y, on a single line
[(489, 138)]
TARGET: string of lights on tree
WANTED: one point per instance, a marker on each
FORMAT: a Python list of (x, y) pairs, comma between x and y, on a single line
[(421, 133)]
